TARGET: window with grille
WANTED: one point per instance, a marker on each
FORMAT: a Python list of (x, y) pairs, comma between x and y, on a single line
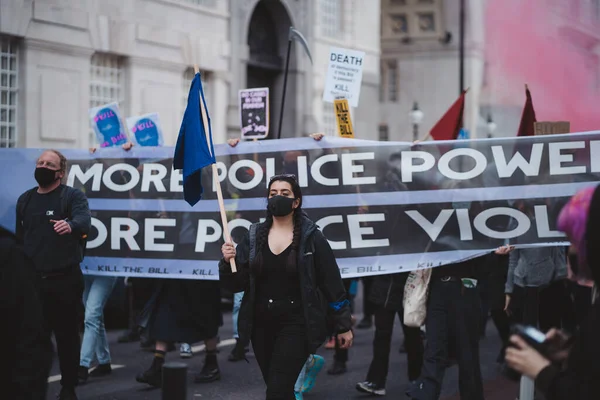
[(384, 134), (331, 18), (107, 83), (186, 82), (9, 90), (392, 81), (412, 18), (328, 120)]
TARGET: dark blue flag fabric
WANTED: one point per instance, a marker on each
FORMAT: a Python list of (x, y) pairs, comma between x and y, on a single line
[(193, 150)]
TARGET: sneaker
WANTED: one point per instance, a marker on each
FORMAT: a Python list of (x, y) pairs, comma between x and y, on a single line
[(298, 396), (82, 374), (371, 388), (101, 370), (311, 373), (185, 350), (67, 393)]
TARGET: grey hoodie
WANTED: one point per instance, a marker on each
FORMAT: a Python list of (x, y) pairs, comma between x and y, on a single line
[(535, 267)]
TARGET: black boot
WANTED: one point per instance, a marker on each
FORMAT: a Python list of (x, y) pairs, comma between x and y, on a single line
[(82, 374), (339, 367), (238, 353), (153, 376), (210, 371), (67, 393), (129, 337), (101, 370)]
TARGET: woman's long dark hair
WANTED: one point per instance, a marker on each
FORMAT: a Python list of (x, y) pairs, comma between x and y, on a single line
[(262, 235)]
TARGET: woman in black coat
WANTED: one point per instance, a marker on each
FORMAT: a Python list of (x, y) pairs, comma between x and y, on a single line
[(570, 369), (292, 288)]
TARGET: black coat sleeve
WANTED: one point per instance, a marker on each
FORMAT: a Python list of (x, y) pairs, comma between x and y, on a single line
[(19, 232), (81, 217), (238, 281), (329, 282)]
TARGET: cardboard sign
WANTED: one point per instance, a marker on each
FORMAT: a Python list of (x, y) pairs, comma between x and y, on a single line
[(254, 113), (145, 130), (344, 75), (551, 128), (344, 121), (106, 122)]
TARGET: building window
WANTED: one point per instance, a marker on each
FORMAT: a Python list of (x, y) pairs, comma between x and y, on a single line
[(412, 18), (328, 122), (392, 81), (107, 82), (186, 82), (384, 134), (331, 18), (9, 91)]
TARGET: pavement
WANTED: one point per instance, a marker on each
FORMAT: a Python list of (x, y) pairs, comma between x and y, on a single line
[(241, 380)]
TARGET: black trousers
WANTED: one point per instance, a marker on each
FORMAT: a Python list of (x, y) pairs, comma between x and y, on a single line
[(453, 318), (384, 326), (546, 307), (368, 306), (62, 307), (279, 340)]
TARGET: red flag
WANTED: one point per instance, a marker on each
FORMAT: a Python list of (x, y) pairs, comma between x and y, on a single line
[(528, 116), (448, 127)]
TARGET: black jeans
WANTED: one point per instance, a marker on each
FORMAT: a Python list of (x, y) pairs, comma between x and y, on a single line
[(62, 306), (453, 317), (368, 306), (384, 326), (279, 340), (543, 307)]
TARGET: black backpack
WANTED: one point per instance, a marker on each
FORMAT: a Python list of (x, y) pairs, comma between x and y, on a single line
[(66, 192)]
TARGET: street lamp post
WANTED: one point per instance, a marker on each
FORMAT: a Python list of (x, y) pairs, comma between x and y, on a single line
[(416, 116), (491, 126)]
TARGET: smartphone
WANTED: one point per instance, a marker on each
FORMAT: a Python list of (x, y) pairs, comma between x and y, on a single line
[(533, 336)]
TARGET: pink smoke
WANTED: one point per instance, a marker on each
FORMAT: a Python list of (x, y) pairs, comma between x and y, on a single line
[(530, 42)]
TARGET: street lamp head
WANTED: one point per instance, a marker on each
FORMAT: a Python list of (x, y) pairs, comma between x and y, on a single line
[(416, 115), (491, 125)]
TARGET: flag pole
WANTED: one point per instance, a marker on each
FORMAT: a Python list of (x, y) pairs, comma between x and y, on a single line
[(216, 180), (285, 78)]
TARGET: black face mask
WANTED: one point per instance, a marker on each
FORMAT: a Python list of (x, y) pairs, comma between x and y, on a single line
[(45, 176), (280, 206)]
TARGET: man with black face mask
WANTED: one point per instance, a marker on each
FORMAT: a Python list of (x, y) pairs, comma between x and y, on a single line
[(53, 221)]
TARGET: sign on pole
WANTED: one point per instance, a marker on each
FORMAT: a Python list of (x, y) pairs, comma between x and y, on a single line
[(551, 128), (145, 130), (106, 122), (254, 113), (344, 75), (344, 121)]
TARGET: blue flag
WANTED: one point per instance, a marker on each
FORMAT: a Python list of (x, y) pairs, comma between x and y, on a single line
[(193, 152)]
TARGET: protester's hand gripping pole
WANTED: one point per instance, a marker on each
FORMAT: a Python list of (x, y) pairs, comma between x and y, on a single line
[(216, 180)]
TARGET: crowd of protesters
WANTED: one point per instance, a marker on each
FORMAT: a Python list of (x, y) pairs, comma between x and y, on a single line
[(290, 300)]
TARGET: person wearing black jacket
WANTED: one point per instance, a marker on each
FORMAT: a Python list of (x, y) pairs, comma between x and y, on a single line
[(53, 222), (287, 271), (387, 293), (570, 369), (27, 348)]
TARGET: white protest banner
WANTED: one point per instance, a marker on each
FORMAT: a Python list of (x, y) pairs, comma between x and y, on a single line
[(146, 130), (419, 206), (344, 75), (254, 113)]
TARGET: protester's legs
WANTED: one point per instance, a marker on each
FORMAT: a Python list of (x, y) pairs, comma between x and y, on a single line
[(384, 326), (502, 322), (262, 343), (436, 348), (465, 315), (95, 345), (288, 357), (414, 348), (302, 374), (237, 303), (65, 311)]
